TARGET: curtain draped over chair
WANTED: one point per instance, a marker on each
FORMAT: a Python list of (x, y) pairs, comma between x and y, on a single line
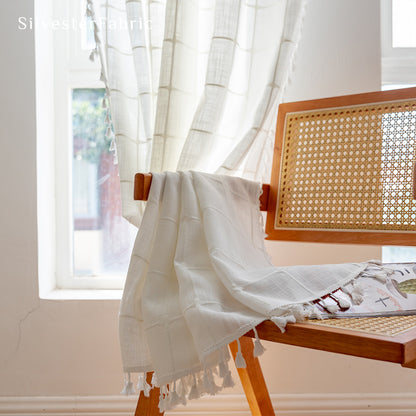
[(194, 85)]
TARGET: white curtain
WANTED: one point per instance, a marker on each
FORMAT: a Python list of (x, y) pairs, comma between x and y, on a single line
[(194, 85)]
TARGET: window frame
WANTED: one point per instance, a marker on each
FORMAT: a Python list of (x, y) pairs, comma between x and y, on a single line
[(398, 69), (398, 64), (57, 40)]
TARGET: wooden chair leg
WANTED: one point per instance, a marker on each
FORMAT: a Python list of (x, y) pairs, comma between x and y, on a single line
[(148, 406), (252, 379)]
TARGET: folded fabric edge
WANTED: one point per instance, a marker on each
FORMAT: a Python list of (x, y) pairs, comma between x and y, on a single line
[(202, 382)]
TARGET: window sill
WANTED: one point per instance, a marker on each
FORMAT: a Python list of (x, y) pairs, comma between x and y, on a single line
[(82, 294)]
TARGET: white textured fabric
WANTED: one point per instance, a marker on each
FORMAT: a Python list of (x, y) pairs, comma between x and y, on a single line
[(194, 85), (200, 278)]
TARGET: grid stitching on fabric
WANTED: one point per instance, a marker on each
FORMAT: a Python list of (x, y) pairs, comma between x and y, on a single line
[(349, 168)]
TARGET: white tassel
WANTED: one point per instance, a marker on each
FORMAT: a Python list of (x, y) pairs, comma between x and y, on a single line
[(332, 308), (161, 403), (194, 393), (298, 311), (240, 362), (140, 383), (357, 298), (381, 277), (315, 312), (115, 157), (258, 347), (104, 102), (155, 382), (174, 398), (228, 381), (347, 290), (282, 321), (146, 389), (357, 294), (209, 385), (167, 400), (343, 303), (182, 388), (207, 382), (128, 386), (107, 118), (223, 369), (109, 132), (112, 147), (200, 386), (92, 55)]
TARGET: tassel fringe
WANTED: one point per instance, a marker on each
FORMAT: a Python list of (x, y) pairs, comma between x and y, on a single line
[(155, 382), (128, 388), (203, 382), (187, 388), (194, 393), (99, 53), (228, 381), (258, 347), (240, 362)]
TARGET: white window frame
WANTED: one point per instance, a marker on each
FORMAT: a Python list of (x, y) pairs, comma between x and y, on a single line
[(57, 47), (398, 64), (398, 69)]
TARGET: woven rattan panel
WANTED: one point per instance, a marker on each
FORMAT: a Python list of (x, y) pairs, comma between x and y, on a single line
[(349, 168), (391, 325)]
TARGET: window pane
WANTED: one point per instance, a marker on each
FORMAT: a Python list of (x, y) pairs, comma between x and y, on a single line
[(403, 23), (87, 34), (102, 239), (87, 28), (398, 254)]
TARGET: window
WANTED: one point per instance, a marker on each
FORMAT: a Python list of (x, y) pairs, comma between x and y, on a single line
[(101, 237), (398, 42), (90, 242)]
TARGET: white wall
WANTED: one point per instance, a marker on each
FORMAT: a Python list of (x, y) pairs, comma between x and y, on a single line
[(46, 347), (339, 54), (68, 348)]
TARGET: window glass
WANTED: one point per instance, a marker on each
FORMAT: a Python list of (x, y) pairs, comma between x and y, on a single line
[(392, 254), (102, 239), (403, 23), (398, 254)]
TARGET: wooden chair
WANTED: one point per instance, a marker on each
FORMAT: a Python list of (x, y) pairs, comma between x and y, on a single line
[(343, 172)]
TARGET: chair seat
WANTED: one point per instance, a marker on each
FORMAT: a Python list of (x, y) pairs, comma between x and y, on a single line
[(360, 342)]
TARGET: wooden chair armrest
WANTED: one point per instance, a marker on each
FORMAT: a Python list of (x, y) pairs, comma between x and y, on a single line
[(143, 181)]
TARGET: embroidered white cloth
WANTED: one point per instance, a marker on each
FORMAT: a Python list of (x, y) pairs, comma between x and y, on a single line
[(200, 278)]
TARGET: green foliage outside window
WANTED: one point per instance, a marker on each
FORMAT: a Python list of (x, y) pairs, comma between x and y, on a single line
[(88, 125)]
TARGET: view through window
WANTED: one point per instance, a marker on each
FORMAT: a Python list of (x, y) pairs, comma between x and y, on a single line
[(401, 45), (102, 238)]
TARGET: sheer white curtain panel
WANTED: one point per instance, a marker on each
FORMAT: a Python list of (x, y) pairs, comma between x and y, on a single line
[(193, 85)]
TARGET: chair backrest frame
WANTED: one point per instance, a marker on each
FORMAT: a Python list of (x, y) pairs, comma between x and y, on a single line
[(276, 205)]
